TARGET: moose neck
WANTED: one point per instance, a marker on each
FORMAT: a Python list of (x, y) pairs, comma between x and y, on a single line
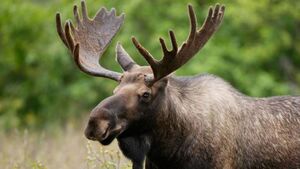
[(185, 121), (176, 109), (175, 126)]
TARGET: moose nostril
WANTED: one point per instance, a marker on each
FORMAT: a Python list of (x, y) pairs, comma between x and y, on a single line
[(89, 134), (90, 130), (97, 129)]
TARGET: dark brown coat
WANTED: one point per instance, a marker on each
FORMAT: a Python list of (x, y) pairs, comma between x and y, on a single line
[(181, 122)]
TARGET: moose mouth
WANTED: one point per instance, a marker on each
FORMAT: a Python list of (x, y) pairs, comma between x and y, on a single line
[(110, 134)]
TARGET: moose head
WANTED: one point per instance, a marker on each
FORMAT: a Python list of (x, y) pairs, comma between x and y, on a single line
[(141, 88)]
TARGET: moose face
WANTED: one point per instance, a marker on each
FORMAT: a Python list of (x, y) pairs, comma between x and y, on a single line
[(129, 104)]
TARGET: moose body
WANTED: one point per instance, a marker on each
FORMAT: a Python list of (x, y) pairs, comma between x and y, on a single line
[(203, 122), (181, 122)]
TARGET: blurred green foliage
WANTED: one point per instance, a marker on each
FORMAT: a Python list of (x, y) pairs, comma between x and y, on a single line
[(257, 50)]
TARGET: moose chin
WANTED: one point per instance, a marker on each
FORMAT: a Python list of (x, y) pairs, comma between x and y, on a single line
[(186, 122)]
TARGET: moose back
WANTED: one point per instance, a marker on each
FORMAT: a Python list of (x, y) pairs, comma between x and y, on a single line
[(180, 122)]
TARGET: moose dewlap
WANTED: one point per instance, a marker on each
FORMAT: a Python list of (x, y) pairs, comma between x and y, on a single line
[(180, 122)]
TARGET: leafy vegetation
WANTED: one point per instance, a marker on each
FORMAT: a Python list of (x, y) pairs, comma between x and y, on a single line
[(257, 50)]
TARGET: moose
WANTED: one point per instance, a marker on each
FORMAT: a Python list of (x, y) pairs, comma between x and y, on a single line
[(172, 122)]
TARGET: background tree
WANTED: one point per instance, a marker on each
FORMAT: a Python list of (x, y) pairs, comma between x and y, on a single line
[(257, 50)]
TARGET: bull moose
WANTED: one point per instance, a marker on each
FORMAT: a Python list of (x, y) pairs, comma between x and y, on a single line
[(180, 122)]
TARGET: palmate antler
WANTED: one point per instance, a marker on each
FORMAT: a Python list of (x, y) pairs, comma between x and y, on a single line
[(89, 39), (175, 58)]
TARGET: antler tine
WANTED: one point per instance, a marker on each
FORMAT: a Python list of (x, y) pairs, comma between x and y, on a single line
[(149, 58), (193, 24), (69, 36), (76, 15), (60, 30), (89, 39), (84, 11), (175, 58), (169, 54)]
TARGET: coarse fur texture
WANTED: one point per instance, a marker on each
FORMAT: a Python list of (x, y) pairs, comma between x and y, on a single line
[(206, 123), (135, 148), (180, 122), (203, 122)]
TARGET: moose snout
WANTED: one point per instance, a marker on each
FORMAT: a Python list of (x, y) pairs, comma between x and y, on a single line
[(103, 124), (97, 129), (90, 131)]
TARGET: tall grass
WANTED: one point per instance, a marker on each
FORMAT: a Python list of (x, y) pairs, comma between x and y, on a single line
[(65, 149)]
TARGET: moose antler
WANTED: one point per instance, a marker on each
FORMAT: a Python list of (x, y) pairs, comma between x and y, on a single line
[(175, 58), (88, 41)]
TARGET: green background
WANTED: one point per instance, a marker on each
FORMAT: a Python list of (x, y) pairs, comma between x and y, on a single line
[(257, 49)]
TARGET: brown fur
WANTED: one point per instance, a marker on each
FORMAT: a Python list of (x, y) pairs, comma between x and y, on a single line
[(181, 123), (214, 126), (203, 122)]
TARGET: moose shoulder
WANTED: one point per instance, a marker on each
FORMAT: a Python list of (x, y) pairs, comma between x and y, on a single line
[(180, 122)]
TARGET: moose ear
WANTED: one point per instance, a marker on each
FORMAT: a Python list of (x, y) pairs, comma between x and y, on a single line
[(124, 59), (161, 84)]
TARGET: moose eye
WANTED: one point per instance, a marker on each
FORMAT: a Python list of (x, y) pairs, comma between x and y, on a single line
[(146, 95)]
